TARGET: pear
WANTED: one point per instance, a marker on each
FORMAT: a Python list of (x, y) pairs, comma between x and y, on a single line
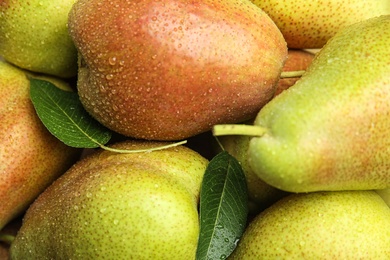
[(34, 36), (297, 60), (310, 24), (319, 225), (120, 206), (170, 70), (330, 131), (30, 157)]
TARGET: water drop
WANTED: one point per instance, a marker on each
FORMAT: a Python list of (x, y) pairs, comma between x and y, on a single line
[(116, 222), (112, 61), (109, 76)]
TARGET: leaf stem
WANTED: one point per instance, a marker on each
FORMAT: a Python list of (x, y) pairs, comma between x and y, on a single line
[(142, 150), (238, 129), (6, 238), (292, 74)]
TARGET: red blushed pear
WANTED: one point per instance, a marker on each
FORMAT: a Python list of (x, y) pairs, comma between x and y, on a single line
[(169, 70), (30, 157)]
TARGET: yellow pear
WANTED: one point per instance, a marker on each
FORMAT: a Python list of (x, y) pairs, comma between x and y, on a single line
[(320, 225), (310, 24)]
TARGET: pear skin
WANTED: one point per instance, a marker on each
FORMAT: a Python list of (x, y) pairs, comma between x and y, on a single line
[(330, 131), (310, 24), (30, 157), (34, 36), (170, 70), (319, 225), (120, 206)]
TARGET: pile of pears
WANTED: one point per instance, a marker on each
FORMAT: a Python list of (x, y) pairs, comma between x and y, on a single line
[(296, 91)]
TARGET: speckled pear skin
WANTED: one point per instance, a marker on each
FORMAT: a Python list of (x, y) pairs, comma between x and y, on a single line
[(169, 70), (319, 225), (34, 36), (30, 157), (118, 206), (310, 24), (330, 131)]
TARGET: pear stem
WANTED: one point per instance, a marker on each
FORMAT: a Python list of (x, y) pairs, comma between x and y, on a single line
[(143, 150), (239, 129), (6, 238), (292, 74)]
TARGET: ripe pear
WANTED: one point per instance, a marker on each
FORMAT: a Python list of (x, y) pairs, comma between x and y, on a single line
[(30, 157), (319, 225), (310, 24), (297, 60), (121, 206), (331, 130), (169, 70), (34, 36)]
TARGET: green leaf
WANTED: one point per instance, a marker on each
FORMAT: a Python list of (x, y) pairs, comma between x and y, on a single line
[(223, 207), (64, 116)]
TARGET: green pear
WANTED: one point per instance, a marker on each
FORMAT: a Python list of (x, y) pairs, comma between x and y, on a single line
[(310, 24), (330, 131), (34, 36), (169, 70), (118, 206), (30, 157), (319, 225)]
